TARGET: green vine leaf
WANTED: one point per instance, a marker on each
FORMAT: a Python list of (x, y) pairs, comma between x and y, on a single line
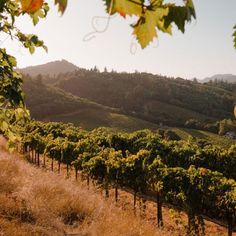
[(180, 15), (152, 15), (234, 37)]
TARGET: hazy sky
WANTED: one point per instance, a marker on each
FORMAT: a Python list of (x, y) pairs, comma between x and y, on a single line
[(205, 49)]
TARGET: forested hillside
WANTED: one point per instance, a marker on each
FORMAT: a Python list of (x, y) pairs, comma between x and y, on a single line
[(152, 97), (158, 99), (49, 103)]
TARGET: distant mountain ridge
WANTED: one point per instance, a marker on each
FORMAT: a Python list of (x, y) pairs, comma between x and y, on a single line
[(50, 69), (225, 77)]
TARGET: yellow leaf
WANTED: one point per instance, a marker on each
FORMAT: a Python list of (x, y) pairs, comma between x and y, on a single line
[(125, 7), (145, 29)]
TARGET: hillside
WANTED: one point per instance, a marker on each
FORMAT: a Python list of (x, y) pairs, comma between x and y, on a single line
[(203, 136), (48, 103), (154, 98), (221, 77), (50, 69)]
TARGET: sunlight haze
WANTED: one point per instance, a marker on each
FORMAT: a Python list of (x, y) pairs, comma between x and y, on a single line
[(204, 50)]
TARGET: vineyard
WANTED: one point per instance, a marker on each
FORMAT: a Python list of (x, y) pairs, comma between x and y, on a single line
[(198, 180)]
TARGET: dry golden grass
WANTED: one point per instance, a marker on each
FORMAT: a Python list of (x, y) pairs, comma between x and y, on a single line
[(37, 202)]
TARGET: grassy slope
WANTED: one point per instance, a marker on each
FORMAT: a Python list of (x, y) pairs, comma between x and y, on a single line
[(167, 113), (51, 104), (35, 202), (215, 139), (92, 118)]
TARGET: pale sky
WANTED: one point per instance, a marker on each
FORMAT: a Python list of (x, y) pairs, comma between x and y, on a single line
[(204, 50)]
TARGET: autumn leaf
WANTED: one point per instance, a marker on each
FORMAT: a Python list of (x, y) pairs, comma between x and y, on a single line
[(62, 4), (31, 6)]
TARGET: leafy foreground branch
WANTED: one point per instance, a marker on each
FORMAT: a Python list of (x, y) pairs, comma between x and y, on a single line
[(12, 107)]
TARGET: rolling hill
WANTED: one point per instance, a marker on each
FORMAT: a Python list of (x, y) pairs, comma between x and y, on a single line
[(50, 69), (118, 109), (153, 98), (48, 103)]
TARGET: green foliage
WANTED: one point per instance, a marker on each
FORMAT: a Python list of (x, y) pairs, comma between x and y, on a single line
[(171, 135), (200, 181), (12, 107), (30, 41), (234, 36), (154, 15), (180, 14), (227, 125)]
